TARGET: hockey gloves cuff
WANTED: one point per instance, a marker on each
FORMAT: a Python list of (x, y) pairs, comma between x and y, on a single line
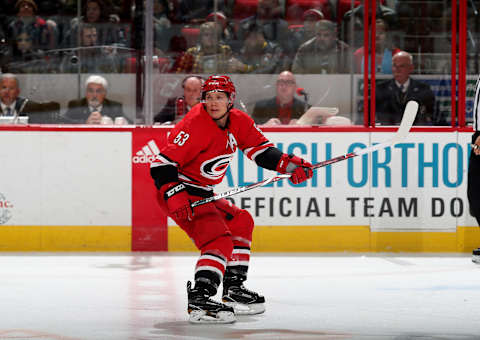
[(300, 169), (178, 203)]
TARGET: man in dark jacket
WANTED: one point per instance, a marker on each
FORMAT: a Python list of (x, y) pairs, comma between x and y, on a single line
[(284, 108), (95, 107), (176, 107), (11, 104), (392, 95)]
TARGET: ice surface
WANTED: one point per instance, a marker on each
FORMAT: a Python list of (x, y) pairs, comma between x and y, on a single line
[(317, 296)]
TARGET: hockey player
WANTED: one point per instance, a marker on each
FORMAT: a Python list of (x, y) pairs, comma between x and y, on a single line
[(195, 158), (473, 188)]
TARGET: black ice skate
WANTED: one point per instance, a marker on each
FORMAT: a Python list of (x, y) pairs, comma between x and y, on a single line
[(243, 301), (204, 310), (476, 256)]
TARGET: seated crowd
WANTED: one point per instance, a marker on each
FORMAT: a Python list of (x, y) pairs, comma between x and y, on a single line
[(199, 37)]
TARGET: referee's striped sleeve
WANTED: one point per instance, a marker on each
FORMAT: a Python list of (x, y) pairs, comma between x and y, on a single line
[(476, 108)]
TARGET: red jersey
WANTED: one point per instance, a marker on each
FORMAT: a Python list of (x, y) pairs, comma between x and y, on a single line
[(202, 151)]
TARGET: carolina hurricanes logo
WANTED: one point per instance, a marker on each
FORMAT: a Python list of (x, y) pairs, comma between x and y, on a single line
[(216, 167)]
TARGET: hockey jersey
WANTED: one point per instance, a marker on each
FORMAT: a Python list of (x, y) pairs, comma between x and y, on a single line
[(202, 151)]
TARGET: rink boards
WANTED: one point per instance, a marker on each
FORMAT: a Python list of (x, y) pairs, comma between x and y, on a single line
[(69, 188)]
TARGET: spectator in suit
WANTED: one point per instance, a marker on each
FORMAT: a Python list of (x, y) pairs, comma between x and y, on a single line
[(12, 104), (95, 105), (324, 53), (284, 108), (176, 107), (392, 95)]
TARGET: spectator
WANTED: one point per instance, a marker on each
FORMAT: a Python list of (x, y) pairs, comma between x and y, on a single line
[(269, 17), (96, 13), (162, 26), (308, 30), (283, 108), (260, 55), (12, 104), (208, 56), (226, 30), (23, 58), (90, 57), (4, 49), (392, 95), (195, 11), (95, 105), (324, 53), (355, 17), (383, 51), (43, 34), (176, 107)]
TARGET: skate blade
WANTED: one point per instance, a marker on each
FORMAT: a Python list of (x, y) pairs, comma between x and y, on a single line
[(201, 317), (476, 259), (244, 309)]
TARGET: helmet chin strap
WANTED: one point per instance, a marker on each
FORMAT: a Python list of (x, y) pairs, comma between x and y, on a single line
[(228, 110)]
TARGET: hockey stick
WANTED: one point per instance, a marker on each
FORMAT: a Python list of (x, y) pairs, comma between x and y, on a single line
[(407, 120)]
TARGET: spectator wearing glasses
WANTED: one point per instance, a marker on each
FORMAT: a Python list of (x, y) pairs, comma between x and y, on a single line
[(284, 108)]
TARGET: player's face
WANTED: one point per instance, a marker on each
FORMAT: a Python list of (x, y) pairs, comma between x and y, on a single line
[(216, 103), (8, 91), (95, 94)]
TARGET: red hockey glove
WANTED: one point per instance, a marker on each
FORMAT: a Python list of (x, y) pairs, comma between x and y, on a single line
[(300, 169), (177, 199)]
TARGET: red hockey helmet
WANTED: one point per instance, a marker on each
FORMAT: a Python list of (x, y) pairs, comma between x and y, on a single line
[(219, 84)]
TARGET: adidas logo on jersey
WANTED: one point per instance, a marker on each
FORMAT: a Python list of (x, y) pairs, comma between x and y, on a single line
[(147, 154)]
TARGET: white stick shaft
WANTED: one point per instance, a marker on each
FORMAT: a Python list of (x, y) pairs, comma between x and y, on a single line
[(407, 120)]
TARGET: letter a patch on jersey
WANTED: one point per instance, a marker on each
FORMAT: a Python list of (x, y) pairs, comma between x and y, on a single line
[(232, 142)]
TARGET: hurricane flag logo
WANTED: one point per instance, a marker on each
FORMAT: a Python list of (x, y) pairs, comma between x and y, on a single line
[(215, 168)]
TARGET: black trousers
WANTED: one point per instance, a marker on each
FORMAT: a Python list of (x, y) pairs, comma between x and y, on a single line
[(473, 187)]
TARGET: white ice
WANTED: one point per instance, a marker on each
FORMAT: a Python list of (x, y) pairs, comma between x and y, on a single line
[(316, 296)]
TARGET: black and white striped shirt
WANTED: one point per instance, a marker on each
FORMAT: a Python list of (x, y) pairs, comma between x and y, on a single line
[(476, 107)]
